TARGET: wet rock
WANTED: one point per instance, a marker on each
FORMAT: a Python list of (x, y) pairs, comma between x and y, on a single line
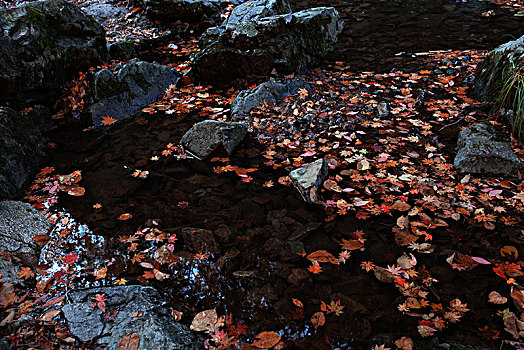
[(19, 223), (44, 44), (308, 178), (199, 240), (20, 152), (184, 10), (483, 150), (270, 91), (155, 327), (135, 85), (103, 12), (206, 137), (250, 11), (496, 67), (252, 49), (125, 48)]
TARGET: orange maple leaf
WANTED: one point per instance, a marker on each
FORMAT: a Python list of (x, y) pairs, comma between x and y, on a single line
[(107, 120), (25, 273)]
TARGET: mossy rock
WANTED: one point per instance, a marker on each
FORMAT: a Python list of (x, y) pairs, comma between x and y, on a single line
[(43, 45), (289, 43)]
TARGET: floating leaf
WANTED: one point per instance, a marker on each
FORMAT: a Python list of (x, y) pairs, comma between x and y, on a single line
[(509, 250), (266, 340), (318, 319), (496, 298), (321, 256), (77, 191), (204, 320)]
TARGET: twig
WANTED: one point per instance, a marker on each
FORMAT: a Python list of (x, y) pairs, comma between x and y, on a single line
[(454, 123)]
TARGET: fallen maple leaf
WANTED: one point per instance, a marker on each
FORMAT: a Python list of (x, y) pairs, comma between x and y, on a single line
[(25, 273), (334, 306), (129, 342), (107, 120), (266, 340), (100, 302)]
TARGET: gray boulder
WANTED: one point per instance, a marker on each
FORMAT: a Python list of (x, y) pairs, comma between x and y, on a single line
[(44, 44), (19, 223), (483, 150), (20, 152), (288, 43), (103, 12), (135, 85), (184, 10), (140, 309), (208, 136), (308, 178), (270, 91), (496, 67), (252, 10)]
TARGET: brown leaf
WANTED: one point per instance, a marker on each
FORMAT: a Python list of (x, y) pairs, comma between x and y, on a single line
[(49, 315), (41, 239), (318, 319), (266, 340), (401, 206), (496, 298), (404, 343), (204, 320), (77, 191), (404, 238), (321, 256), (383, 275), (129, 342)]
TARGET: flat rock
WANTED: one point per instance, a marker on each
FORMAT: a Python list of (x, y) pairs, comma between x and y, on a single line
[(20, 152), (19, 223), (481, 149), (122, 93), (287, 42), (253, 10), (270, 91), (156, 327), (209, 135), (44, 44), (308, 178)]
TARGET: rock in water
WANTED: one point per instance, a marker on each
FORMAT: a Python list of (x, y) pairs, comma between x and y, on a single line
[(19, 224), (20, 152), (308, 178), (44, 44), (155, 326), (498, 65), (288, 43), (136, 85), (208, 136), (270, 91), (483, 150)]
